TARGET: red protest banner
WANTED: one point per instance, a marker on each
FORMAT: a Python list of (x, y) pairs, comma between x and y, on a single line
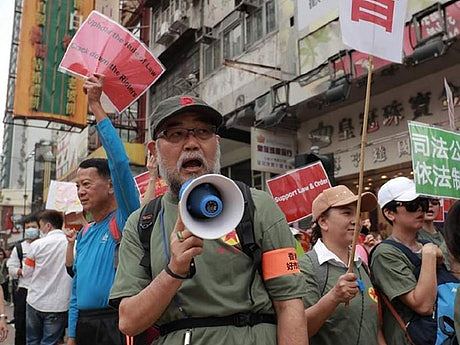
[(295, 191), (105, 47), (142, 182)]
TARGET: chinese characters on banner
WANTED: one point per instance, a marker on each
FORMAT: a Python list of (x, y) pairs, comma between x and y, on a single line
[(105, 47), (272, 152), (294, 192), (374, 27), (435, 160)]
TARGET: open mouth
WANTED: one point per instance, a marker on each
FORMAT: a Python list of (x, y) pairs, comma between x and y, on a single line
[(192, 164)]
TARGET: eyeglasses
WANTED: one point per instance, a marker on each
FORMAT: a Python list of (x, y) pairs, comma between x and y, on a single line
[(434, 202), (177, 135), (414, 205)]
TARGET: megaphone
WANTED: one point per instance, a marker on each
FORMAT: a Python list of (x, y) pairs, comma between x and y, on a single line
[(211, 206)]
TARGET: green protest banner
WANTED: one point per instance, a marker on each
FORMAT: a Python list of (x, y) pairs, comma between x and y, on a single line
[(435, 160)]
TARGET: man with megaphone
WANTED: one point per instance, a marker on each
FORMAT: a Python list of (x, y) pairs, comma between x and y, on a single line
[(200, 285)]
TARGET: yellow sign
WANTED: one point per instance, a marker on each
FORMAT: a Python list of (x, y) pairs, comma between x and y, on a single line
[(41, 92)]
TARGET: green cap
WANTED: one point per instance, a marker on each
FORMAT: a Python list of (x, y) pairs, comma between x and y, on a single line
[(182, 104)]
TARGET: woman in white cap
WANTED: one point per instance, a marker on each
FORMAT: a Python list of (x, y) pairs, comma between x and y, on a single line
[(341, 307)]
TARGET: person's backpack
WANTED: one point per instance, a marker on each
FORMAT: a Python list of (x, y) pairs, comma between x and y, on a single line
[(244, 230), (437, 328)]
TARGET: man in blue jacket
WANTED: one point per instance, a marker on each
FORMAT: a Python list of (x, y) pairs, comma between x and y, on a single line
[(107, 191)]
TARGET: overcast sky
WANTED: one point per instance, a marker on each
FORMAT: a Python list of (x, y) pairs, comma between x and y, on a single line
[(6, 27)]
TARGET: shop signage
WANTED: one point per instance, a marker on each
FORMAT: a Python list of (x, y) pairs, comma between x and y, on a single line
[(105, 47), (272, 151), (436, 160), (294, 192)]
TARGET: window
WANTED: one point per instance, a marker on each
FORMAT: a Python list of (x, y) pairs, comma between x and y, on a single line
[(233, 42), (212, 57), (254, 27), (261, 22), (270, 15)]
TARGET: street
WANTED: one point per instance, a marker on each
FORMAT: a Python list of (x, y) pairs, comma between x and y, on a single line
[(10, 339)]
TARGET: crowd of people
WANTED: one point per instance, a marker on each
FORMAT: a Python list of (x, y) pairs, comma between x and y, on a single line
[(134, 274)]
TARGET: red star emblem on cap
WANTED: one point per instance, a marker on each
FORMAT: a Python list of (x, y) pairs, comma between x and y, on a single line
[(186, 101)]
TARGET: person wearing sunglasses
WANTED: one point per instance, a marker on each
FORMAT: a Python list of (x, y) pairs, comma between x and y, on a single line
[(430, 232), (404, 296)]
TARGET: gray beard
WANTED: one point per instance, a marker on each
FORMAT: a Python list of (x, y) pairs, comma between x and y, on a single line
[(172, 177)]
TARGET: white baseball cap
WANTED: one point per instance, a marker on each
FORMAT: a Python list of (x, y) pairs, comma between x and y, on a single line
[(398, 189)]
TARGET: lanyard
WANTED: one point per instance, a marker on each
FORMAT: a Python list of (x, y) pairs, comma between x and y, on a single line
[(167, 257)]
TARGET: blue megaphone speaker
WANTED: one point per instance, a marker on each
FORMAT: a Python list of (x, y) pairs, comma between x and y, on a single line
[(211, 206)]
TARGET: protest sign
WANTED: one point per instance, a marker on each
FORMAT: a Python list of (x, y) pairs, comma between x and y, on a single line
[(295, 191), (374, 27), (105, 47), (435, 160), (142, 182), (63, 197)]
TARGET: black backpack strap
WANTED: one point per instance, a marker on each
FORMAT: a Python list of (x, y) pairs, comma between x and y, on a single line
[(149, 214), (413, 258), (245, 229), (20, 253)]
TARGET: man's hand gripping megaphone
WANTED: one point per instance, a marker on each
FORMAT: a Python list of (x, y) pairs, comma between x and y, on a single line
[(184, 247)]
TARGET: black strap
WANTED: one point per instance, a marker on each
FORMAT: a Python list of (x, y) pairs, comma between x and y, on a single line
[(238, 320), (413, 258), (147, 219), (245, 229), (20, 253)]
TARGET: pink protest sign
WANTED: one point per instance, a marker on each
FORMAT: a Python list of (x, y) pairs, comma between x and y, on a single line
[(295, 191), (105, 47)]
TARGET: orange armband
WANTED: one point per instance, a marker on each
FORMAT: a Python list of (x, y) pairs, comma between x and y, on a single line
[(29, 262), (279, 262)]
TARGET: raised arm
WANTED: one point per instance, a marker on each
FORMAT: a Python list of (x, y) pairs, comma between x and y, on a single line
[(153, 175), (125, 189), (422, 299)]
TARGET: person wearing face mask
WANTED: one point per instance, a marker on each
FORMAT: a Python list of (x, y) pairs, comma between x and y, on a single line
[(20, 283), (49, 287), (430, 233)]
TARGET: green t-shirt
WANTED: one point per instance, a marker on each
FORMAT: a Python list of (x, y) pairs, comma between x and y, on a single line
[(392, 275), (222, 283), (438, 239), (347, 323)]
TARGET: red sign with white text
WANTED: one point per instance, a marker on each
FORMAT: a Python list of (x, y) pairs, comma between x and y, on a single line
[(142, 182), (105, 47), (295, 191)]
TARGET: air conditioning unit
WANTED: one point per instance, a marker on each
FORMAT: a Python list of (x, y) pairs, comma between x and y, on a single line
[(247, 6), (205, 35), (180, 21), (165, 36)]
